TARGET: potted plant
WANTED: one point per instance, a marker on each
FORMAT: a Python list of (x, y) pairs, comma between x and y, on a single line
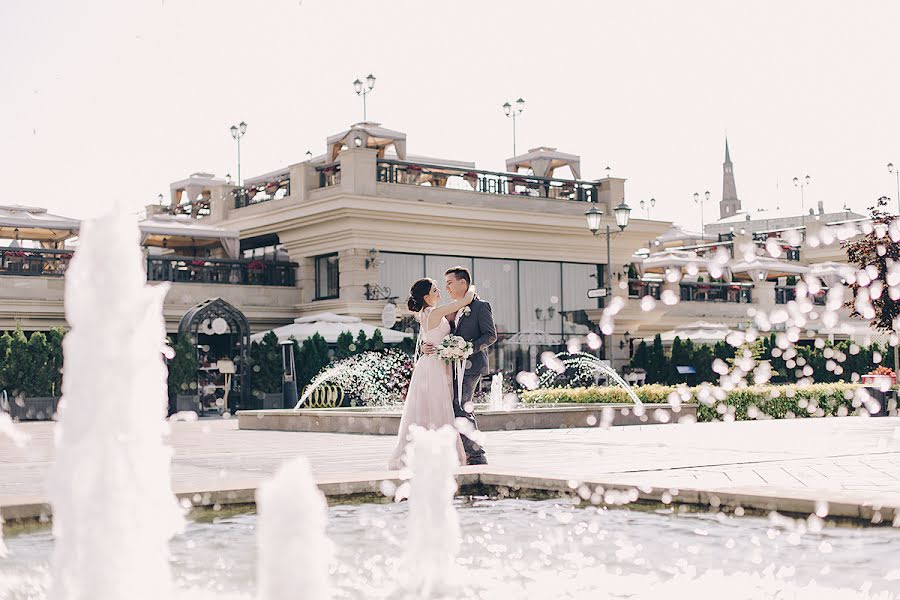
[(182, 380)]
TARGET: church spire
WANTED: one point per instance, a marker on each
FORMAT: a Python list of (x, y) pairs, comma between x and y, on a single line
[(730, 204)]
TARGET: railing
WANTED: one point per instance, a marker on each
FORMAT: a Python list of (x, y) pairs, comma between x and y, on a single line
[(488, 182), (787, 293), (214, 270), (638, 288), (263, 192), (716, 292), (36, 262), (196, 209), (329, 174)]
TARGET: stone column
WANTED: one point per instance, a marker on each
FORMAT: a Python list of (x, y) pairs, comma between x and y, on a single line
[(306, 278), (221, 202), (358, 171), (304, 179), (611, 191), (354, 275)]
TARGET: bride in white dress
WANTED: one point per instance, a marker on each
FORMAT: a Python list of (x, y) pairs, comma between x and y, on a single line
[(429, 400)]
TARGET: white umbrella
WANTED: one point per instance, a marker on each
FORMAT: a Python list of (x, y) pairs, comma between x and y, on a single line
[(533, 339), (330, 326), (831, 273), (760, 268), (699, 332)]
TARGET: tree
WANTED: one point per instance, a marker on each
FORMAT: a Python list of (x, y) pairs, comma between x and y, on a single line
[(265, 358), (55, 359), (5, 341), (678, 358), (376, 344), (38, 381), (657, 365), (702, 358), (183, 367), (344, 341), (310, 359), (362, 344), (641, 356)]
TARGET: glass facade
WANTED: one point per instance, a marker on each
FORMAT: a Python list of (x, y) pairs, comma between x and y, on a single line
[(525, 295)]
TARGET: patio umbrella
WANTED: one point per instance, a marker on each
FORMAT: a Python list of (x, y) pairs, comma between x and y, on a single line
[(34, 223), (533, 339), (831, 273), (330, 326), (699, 332), (761, 268)]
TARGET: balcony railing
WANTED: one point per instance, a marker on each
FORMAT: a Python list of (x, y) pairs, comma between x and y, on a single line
[(35, 262), (488, 182), (213, 270), (329, 174), (638, 288), (263, 192), (786, 293), (716, 292)]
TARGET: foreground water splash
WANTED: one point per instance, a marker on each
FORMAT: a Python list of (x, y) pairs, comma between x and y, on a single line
[(113, 507), (434, 535), (294, 553)]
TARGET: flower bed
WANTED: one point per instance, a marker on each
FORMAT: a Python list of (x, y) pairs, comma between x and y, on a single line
[(752, 402)]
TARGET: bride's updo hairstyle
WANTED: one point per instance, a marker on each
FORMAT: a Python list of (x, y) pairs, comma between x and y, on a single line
[(417, 293)]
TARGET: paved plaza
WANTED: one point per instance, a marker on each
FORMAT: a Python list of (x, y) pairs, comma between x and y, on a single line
[(851, 460)]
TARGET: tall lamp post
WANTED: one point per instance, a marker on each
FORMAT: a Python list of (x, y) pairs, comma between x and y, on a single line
[(646, 206), (802, 183), (237, 132), (698, 199), (364, 89), (511, 112), (896, 171), (594, 217)]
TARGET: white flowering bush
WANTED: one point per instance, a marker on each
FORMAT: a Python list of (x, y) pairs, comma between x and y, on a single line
[(567, 370), (375, 378)]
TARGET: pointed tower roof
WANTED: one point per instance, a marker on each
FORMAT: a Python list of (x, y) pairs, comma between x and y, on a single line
[(727, 153)]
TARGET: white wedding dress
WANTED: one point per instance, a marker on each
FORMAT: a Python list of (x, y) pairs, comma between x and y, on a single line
[(429, 400)]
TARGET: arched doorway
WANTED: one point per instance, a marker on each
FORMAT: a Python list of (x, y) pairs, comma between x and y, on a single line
[(219, 331)]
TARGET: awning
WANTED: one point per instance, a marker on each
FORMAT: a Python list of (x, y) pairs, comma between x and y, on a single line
[(330, 326), (182, 231), (371, 135), (34, 223), (543, 161)]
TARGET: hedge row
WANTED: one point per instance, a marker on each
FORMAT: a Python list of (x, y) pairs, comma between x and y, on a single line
[(752, 402)]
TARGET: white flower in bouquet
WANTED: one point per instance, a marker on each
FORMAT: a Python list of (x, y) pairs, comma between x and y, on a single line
[(453, 348)]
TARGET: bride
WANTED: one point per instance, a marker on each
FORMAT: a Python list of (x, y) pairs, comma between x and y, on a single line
[(429, 400)]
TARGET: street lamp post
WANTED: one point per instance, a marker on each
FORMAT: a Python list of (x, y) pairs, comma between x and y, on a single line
[(646, 206), (364, 89), (594, 217), (895, 171), (701, 199), (802, 183), (511, 112), (237, 132)]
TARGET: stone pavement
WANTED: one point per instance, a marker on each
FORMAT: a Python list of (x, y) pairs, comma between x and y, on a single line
[(850, 460)]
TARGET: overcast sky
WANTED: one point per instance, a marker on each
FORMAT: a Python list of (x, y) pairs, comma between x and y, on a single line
[(105, 99)]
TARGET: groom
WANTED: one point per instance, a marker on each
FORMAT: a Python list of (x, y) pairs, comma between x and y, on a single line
[(475, 324)]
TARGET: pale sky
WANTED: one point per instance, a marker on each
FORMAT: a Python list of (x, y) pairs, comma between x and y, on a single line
[(115, 99)]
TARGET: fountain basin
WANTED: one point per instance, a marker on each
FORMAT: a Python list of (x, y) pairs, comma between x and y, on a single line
[(551, 548), (387, 422)]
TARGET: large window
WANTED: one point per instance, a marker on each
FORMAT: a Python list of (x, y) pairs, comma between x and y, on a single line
[(327, 277), (521, 292)]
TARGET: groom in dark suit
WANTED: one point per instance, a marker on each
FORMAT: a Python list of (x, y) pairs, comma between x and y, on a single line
[(475, 324)]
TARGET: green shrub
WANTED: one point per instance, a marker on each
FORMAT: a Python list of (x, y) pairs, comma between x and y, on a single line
[(752, 402), (182, 377)]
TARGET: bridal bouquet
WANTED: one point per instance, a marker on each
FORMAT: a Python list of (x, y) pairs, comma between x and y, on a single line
[(454, 349)]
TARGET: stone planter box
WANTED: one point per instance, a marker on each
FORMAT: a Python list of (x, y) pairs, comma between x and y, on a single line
[(33, 409), (387, 422), (273, 401), (187, 402)]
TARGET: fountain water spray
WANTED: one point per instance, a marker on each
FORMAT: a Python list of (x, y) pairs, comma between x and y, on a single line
[(434, 534), (294, 554), (19, 438), (496, 397), (113, 507)]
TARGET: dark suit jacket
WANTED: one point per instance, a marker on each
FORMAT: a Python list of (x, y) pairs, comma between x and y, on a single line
[(477, 327)]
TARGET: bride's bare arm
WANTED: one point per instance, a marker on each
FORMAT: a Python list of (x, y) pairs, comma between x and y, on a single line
[(439, 312)]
